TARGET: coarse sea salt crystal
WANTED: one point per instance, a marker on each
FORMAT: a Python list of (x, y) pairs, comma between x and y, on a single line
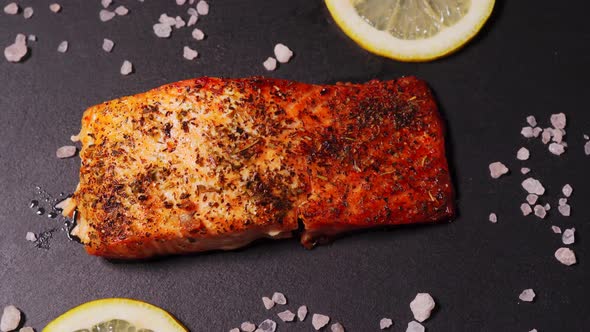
[(562, 201), (55, 7), (525, 209), (179, 22), (192, 20), (31, 237), (121, 11), (126, 68), (531, 198), (337, 327), (587, 148), (302, 313), (10, 318), (422, 306), (556, 148), (565, 256), (107, 45), (106, 15), (533, 186), (523, 154), (537, 131), (248, 327), (28, 12), (385, 323), (105, 3), (540, 211), (286, 316), (267, 325), (318, 321), (567, 190), (525, 170), (531, 120), (16, 51), (558, 120), (493, 218), (527, 132), (546, 135), (547, 207), (527, 295), (556, 229), (279, 298), (282, 53), (202, 7), (162, 30), (189, 54), (198, 34), (497, 169), (268, 303), (11, 8), (63, 47), (65, 151), (565, 210), (569, 236), (414, 326), (270, 64)]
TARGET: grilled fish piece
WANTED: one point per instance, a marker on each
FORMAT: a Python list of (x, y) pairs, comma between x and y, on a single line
[(215, 163)]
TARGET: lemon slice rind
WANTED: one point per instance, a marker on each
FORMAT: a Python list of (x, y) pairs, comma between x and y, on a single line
[(138, 313), (447, 41)]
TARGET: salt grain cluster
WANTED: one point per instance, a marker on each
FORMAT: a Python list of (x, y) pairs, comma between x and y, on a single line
[(267, 325), (493, 218), (565, 256), (55, 7), (533, 186), (106, 15), (497, 169), (28, 12), (31, 237), (121, 11), (63, 47), (202, 8), (422, 306), (270, 64), (523, 154), (385, 323), (527, 295), (282, 53)]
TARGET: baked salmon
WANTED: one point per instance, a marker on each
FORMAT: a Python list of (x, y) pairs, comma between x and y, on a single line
[(214, 163)]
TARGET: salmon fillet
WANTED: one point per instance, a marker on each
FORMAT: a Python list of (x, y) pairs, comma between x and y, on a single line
[(214, 163)]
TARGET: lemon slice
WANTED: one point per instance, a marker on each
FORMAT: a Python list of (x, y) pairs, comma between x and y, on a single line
[(115, 315), (410, 30)]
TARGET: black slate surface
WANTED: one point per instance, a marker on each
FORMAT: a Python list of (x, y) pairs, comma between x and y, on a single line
[(531, 58)]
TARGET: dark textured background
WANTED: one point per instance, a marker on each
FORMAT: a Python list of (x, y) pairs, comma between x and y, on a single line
[(531, 58)]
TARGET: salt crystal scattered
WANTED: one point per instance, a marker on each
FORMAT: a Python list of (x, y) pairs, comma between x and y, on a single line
[(527, 132), (415, 327), (422, 306), (302, 313), (268, 303), (107, 45), (268, 325), (568, 236), (531, 120), (523, 154), (556, 149), (531, 198), (106, 15), (55, 7), (282, 53), (525, 209), (248, 327), (279, 298), (189, 54), (587, 148), (337, 327), (286, 316), (493, 218), (10, 318), (168, 20), (31, 237), (270, 64), (385, 323), (28, 12), (11, 8), (32, 38), (179, 22), (180, 2), (546, 135), (202, 7), (15, 52), (533, 186), (527, 295), (121, 11), (558, 120), (537, 131), (198, 34), (26, 329), (63, 47), (565, 210), (497, 169), (567, 190), (566, 256), (562, 201), (192, 20), (540, 211), (66, 151), (162, 30), (126, 68), (525, 170), (556, 229), (318, 321), (105, 3)]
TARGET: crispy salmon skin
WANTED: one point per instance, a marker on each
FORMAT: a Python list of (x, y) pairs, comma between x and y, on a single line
[(214, 163)]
